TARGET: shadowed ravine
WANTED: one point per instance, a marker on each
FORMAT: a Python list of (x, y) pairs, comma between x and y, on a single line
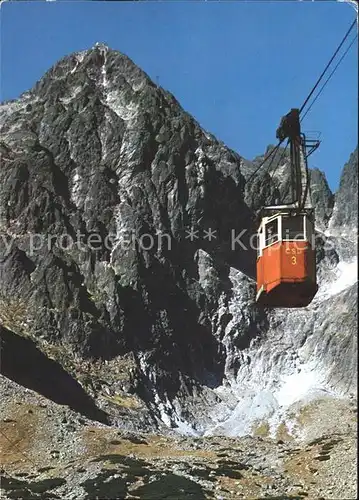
[(26, 365)]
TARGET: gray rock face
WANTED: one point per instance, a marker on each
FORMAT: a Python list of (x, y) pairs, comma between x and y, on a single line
[(107, 189), (322, 198), (97, 150), (345, 216)]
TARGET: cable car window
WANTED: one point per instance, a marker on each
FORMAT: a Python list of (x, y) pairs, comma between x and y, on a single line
[(258, 242), (309, 230), (293, 228), (271, 232)]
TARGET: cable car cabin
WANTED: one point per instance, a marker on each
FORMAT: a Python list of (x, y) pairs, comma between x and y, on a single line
[(286, 270)]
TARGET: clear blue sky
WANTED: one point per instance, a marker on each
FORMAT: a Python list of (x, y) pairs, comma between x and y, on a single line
[(237, 67)]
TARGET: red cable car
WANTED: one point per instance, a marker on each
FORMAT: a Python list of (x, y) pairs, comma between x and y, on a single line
[(286, 270)]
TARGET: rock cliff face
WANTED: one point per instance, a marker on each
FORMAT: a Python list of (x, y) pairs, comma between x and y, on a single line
[(119, 260), (345, 216)]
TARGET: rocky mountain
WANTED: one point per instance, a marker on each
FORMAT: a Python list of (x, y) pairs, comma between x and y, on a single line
[(124, 291)]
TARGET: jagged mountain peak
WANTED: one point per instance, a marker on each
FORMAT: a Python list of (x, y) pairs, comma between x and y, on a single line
[(101, 46), (345, 214), (98, 66)]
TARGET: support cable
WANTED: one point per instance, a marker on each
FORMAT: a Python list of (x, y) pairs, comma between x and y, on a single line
[(278, 165), (274, 150), (263, 162), (327, 66), (329, 77)]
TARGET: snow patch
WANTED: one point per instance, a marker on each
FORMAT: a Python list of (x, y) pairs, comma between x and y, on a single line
[(123, 235), (201, 169), (269, 402), (344, 231), (71, 148), (103, 133), (128, 150), (80, 56), (299, 385), (74, 68), (76, 188), (126, 111), (16, 126), (279, 172), (8, 108), (137, 87), (346, 275), (208, 136), (271, 375), (251, 409), (167, 411), (103, 50), (74, 92), (184, 429), (105, 81)]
